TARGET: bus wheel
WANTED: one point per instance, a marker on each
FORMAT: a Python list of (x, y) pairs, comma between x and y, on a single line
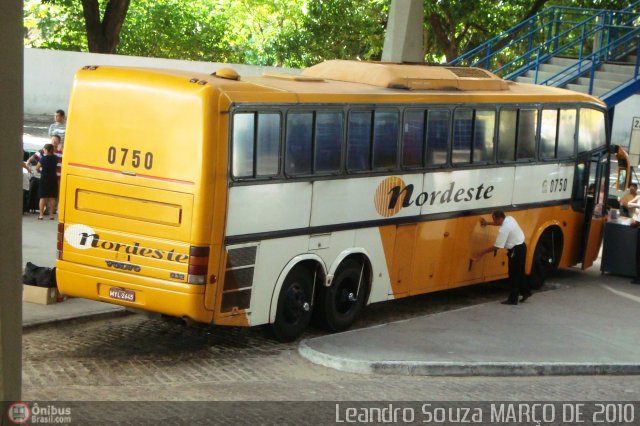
[(294, 305), (546, 257), (344, 299)]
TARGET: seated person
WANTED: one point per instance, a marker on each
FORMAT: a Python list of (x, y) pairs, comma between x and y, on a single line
[(629, 197)]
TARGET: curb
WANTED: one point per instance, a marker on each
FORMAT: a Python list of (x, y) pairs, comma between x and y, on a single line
[(107, 313), (425, 368)]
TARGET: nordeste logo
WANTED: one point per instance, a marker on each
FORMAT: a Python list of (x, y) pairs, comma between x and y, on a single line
[(76, 236), (83, 237)]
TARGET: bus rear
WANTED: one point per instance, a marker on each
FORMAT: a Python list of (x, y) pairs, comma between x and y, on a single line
[(134, 228)]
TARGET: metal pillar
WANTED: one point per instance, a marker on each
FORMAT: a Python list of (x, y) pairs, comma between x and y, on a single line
[(11, 113), (403, 41)]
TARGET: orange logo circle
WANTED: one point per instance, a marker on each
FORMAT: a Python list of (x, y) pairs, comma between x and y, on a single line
[(382, 200)]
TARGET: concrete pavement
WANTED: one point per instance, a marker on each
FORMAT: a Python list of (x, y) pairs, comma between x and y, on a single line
[(587, 328)]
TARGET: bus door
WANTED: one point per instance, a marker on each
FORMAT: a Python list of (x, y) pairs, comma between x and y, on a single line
[(590, 196)]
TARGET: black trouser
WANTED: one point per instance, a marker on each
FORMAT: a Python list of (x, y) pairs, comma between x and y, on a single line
[(637, 254), (518, 283)]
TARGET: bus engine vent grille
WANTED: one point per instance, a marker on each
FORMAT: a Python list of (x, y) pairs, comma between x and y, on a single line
[(469, 72), (242, 256), (236, 291)]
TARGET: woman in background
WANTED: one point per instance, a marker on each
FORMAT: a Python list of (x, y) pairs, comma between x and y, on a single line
[(48, 189)]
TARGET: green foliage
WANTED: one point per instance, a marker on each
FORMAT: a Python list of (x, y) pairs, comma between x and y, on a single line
[(174, 29), (57, 26), (292, 33)]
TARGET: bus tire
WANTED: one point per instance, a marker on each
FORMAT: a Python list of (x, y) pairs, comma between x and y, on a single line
[(344, 299), (546, 257), (294, 305)]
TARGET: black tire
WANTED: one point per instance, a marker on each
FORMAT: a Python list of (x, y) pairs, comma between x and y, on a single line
[(344, 299), (546, 257), (294, 305)]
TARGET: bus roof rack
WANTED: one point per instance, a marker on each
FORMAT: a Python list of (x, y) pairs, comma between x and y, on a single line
[(405, 76)]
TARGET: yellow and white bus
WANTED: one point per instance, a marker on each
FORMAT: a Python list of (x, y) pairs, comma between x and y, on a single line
[(271, 200)]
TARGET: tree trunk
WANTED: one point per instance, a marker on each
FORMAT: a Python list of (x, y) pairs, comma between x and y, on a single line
[(441, 31), (103, 35)]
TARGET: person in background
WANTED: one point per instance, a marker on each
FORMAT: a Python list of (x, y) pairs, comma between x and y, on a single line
[(510, 237), (26, 175), (56, 141), (629, 197), (48, 189), (59, 126)]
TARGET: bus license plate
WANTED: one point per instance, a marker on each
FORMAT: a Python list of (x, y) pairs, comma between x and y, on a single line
[(122, 294)]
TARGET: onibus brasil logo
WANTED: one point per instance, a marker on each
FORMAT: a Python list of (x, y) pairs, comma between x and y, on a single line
[(393, 194)]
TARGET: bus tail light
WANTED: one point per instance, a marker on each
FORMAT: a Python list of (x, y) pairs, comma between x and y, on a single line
[(198, 265), (60, 241)]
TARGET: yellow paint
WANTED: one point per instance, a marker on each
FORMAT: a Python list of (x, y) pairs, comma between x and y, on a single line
[(441, 255)]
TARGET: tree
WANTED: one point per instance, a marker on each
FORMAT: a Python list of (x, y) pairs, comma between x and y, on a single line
[(292, 33), (103, 34), (103, 20)]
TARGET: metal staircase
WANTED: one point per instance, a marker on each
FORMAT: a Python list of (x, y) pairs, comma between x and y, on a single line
[(587, 50)]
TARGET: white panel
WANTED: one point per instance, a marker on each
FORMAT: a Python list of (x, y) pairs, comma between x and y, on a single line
[(459, 190), (264, 208), (543, 182), (354, 200), (370, 239), (273, 256)]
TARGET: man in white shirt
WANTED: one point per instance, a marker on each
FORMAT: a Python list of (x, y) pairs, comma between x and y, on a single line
[(511, 238), (59, 127)]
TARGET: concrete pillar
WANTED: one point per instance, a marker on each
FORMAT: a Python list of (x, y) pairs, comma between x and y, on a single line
[(11, 107), (403, 41)]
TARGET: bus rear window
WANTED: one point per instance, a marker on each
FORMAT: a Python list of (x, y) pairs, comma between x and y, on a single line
[(256, 144)]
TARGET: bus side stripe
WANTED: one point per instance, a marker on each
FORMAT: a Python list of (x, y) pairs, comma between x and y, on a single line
[(103, 169)]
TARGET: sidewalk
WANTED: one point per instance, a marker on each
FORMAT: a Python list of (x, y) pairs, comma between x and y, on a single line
[(588, 327), (39, 247)]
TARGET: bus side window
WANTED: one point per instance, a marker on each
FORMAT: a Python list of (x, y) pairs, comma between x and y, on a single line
[(385, 139), (591, 132), (268, 144), (438, 129), (567, 133), (527, 128), (413, 138), (548, 133), (298, 143), (483, 135), (462, 130), (507, 135), (243, 144), (359, 142), (328, 147)]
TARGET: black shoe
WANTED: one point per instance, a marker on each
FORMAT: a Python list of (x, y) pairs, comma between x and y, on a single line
[(525, 297), (509, 302)]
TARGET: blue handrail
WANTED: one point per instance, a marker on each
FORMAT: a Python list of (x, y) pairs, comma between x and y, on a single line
[(591, 37)]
